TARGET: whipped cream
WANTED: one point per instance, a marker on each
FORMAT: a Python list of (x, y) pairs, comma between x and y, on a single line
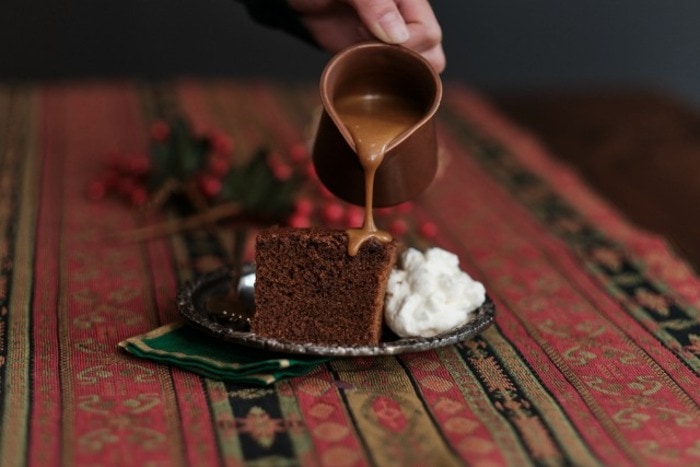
[(430, 294)]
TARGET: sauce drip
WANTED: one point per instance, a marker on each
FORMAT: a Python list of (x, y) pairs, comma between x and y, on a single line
[(373, 121)]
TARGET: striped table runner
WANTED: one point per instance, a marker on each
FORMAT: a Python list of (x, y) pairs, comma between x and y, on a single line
[(593, 360)]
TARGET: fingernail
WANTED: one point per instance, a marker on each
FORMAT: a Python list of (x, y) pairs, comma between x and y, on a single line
[(394, 28)]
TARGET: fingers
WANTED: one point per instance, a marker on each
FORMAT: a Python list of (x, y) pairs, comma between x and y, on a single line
[(383, 19), (411, 23), (425, 32), (336, 24), (436, 58), (430, 49)]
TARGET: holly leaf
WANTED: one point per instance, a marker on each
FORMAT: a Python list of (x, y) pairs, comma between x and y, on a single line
[(255, 187)]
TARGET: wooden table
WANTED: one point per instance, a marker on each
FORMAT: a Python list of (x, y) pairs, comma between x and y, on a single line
[(640, 149)]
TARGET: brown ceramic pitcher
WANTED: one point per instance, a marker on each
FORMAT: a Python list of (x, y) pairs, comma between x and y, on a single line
[(410, 160)]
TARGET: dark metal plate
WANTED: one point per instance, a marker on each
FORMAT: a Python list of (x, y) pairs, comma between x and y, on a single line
[(193, 297)]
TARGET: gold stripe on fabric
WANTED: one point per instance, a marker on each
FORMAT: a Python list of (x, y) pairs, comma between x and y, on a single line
[(390, 415), (549, 410), (21, 144), (225, 423), (294, 420), (504, 436)]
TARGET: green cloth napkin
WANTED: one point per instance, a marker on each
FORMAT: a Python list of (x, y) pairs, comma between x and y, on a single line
[(185, 347)]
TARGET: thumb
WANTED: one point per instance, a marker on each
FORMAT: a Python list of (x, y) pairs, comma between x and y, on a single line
[(383, 19)]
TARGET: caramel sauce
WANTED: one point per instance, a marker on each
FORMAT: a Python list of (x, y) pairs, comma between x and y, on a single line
[(374, 121)]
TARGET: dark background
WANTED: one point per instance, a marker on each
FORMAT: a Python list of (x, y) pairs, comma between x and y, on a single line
[(494, 44), (611, 87)]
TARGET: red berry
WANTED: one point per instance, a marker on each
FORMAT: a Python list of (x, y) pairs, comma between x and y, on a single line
[(428, 229), (210, 186), (221, 143), (333, 212), (97, 190), (398, 227), (303, 206), (281, 171), (355, 216), (298, 153), (138, 165), (299, 221), (404, 208), (160, 131)]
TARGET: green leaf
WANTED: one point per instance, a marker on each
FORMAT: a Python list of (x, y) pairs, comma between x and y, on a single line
[(256, 188)]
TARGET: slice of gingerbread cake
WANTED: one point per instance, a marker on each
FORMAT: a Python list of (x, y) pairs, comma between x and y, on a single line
[(309, 289)]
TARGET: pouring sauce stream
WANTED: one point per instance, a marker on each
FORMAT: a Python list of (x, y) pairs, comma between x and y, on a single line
[(374, 121)]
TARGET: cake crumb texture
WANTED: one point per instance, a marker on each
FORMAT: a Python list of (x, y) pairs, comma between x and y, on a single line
[(309, 289)]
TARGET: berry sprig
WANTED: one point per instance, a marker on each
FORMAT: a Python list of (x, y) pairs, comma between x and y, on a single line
[(192, 164), (179, 163), (199, 172), (124, 176), (198, 169)]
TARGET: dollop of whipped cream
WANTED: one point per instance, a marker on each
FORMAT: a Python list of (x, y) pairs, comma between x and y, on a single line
[(430, 295)]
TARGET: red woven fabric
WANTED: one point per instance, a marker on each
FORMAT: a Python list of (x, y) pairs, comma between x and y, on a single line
[(594, 358)]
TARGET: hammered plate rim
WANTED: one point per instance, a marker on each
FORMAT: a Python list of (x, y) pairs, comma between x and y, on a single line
[(483, 318)]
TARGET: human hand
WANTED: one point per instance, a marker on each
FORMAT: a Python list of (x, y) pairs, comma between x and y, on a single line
[(336, 24)]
